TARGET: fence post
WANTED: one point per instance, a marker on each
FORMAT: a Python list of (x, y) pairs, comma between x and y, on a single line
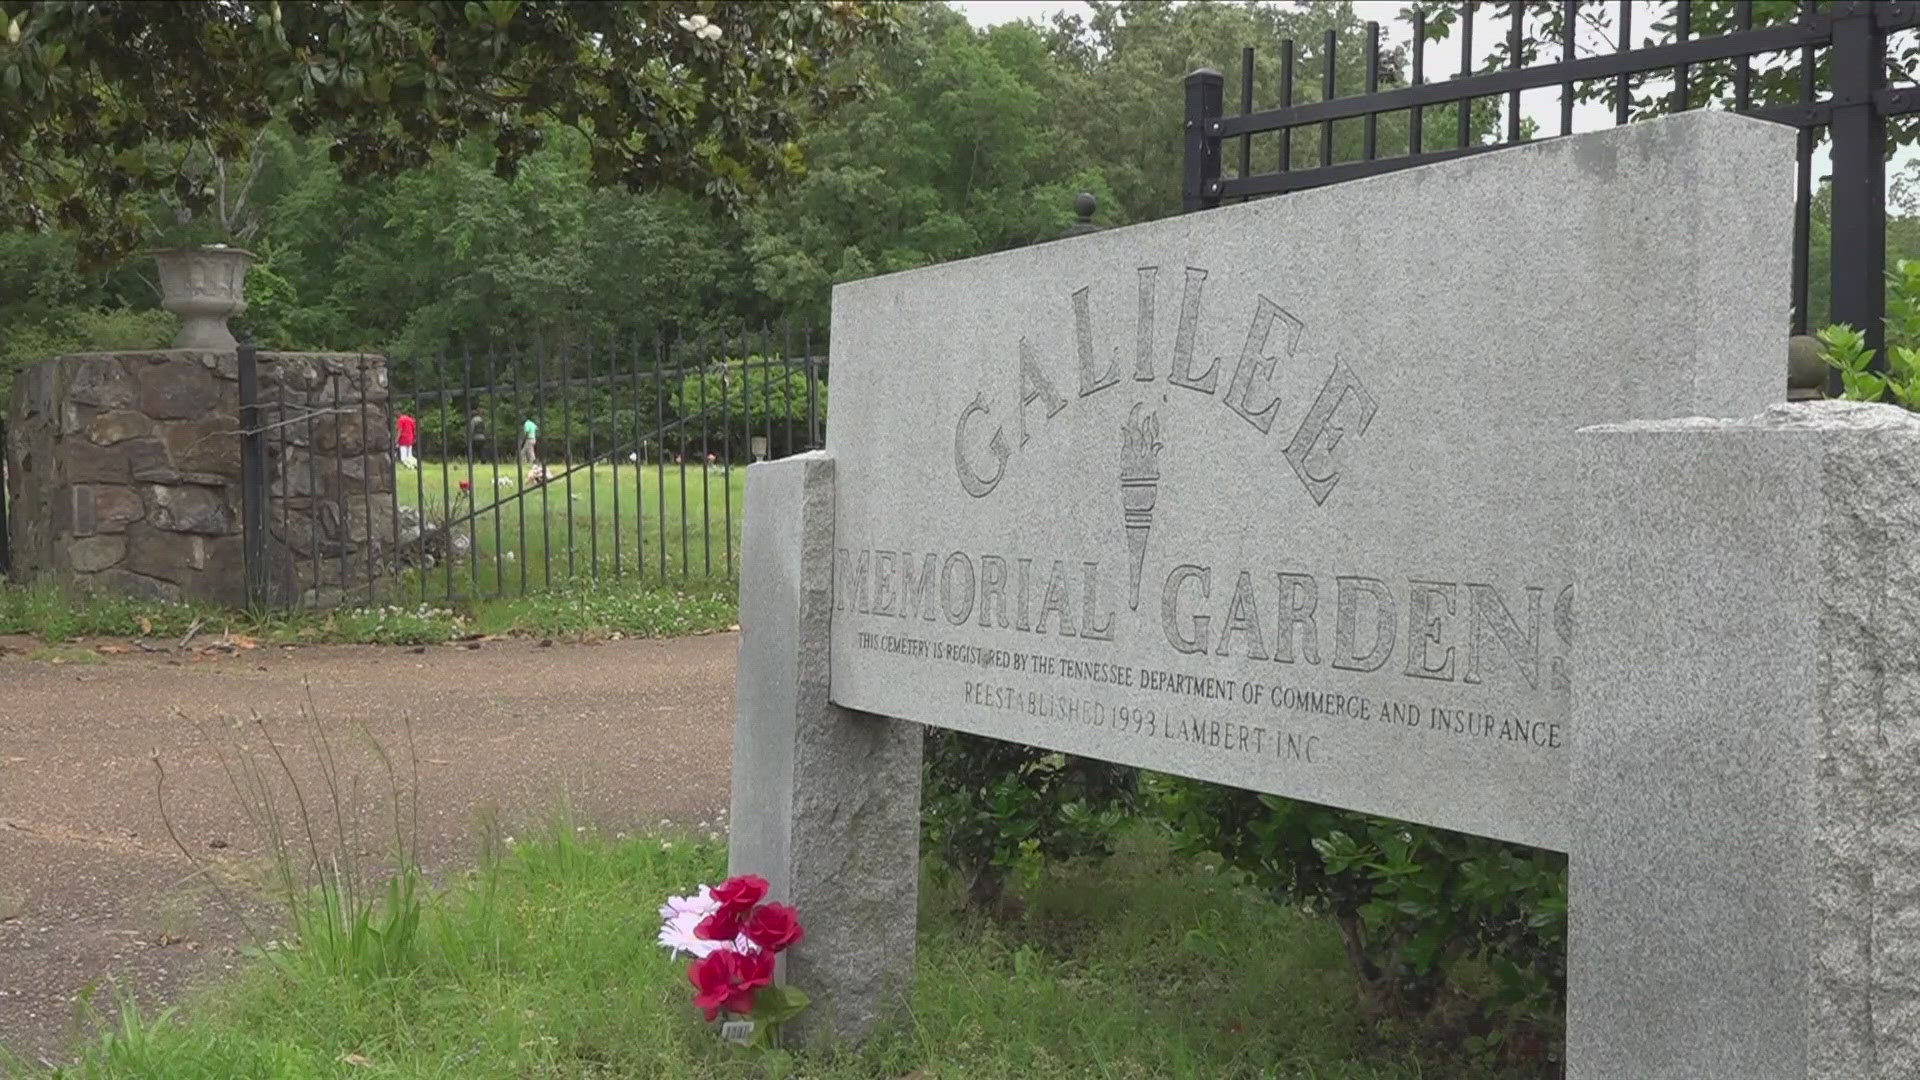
[(253, 474), (1201, 180), (1859, 132)]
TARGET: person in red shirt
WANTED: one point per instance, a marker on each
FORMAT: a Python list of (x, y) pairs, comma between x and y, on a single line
[(407, 428)]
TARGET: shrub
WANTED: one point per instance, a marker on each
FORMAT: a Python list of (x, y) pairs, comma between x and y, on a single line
[(1414, 904), (726, 405), (987, 805), (1844, 348)]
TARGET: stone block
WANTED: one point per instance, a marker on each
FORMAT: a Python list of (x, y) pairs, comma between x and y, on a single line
[(224, 365), (206, 444), (112, 506), (80, 461), (1745, 889), (165, 556), (1294, 476), (178, 389), (117, 426), (222, 577), (123, 582), (100, 381), (826, 801), (96, 553), (167, 474), (188, 509)]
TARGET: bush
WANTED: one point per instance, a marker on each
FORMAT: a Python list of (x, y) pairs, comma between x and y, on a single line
[(728, 404), (988, 805), (84, 330), (1418, 908)]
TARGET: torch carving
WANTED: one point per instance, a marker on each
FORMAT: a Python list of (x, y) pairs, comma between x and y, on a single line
[(1139, 482)]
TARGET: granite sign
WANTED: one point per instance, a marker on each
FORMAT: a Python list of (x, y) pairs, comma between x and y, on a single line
[(1278, 496), (1395, 496)]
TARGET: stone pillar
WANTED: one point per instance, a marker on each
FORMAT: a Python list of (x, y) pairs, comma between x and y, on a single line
[(826, 801), (125, 468), (1745, 857)]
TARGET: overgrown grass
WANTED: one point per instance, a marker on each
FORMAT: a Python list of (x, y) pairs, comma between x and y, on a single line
[(542, 964), (623, 608)]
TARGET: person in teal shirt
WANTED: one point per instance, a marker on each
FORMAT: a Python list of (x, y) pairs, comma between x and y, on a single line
[(529, 439)]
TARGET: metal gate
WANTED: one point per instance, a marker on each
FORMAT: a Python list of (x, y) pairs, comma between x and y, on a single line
[(501, 472)]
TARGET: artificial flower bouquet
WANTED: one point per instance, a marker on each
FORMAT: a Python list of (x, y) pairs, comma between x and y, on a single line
[(733, 938)]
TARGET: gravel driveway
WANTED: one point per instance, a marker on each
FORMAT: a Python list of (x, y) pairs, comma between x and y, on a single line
[(92, 888)]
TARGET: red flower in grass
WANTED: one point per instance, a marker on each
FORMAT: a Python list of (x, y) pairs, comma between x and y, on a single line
[(773, 927), (741, 893), (727, 980), (466, 485)]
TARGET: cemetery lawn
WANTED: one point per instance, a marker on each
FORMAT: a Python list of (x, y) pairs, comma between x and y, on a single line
[(597, 521), (542, 964)]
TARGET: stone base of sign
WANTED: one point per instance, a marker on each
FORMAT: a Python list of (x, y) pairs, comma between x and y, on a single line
[(1745, 893), (826, 801)]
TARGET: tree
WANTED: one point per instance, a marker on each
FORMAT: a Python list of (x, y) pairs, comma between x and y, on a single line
[(102, 102), (958, 152), (1132, 57)]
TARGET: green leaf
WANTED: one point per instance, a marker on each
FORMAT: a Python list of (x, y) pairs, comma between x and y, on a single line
[(778, 1004)]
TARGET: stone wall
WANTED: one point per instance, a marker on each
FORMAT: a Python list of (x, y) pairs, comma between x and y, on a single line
[(124, 469), (331, 518)]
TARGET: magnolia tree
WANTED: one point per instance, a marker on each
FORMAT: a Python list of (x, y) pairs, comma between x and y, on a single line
[(105, 103)]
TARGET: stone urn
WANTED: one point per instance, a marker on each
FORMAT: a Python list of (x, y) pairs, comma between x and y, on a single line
[(205, 286)]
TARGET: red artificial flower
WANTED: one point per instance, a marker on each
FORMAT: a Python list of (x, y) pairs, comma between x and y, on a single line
[(727, 980), (466, 485), (773, 927), (722, 925), (741, 893)]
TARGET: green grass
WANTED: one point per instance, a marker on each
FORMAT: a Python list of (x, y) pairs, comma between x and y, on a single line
[(582, 610), (541, 964), (595, 522)]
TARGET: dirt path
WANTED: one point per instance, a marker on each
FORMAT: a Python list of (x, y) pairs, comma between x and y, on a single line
[(624, 734)]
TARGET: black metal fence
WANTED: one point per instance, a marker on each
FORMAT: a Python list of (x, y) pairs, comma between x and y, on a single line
[(504, 471), (1841, 54)]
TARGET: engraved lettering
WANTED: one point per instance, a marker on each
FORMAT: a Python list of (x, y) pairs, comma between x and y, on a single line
[(1022, 615), (1055, 602), (916, 593), (1170, 609), (1243, 615), (850, 581), (1183, 338), (1299, 595), (1347, 594), (1341, 405), (1256, 364), (1143, 328), (1083, 336), (883, 583), (956, 593), (1092, 626), (1426, 628), (1563, 629), (1488, 615), (972, 482), (1035, 386), (993, 591)]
